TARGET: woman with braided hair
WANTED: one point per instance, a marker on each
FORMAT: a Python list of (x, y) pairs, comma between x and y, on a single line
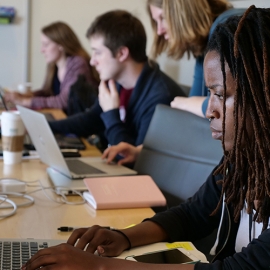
[(235, 197)]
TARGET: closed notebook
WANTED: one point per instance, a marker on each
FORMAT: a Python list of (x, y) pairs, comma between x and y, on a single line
[(123, 192)]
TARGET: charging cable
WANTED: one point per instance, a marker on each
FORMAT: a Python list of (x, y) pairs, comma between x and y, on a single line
[(62, 198), (29, 200), (13, 205), (10, 188), (16, 188)]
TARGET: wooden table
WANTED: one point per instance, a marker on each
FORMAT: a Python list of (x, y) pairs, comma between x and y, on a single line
[(42, 219)]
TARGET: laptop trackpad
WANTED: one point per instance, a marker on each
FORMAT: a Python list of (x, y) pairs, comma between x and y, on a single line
[(81, 168)]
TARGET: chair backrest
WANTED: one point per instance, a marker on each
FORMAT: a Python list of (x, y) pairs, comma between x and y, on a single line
[(178, 153)]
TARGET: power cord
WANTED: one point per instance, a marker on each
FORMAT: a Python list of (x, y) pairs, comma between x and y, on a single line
[(4, 199), (62, 197), (30, 200), (12, 187)]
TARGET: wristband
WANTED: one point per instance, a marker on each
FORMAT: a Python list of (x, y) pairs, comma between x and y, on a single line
[(129, 243)]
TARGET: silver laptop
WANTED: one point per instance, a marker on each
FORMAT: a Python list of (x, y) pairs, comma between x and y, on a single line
[(16, 252), (63, 172)]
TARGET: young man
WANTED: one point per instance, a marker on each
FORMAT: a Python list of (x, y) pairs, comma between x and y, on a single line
[(130, 86), (236, 196)]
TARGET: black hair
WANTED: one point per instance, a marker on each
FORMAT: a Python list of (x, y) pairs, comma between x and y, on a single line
[(244, 43)]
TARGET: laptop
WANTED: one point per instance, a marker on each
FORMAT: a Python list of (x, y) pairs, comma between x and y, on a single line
[(69, 172), (67, 141), (16, 252)]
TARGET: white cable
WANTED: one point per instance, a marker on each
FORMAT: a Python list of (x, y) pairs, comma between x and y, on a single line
[(16, 194), (5, 199), (213, 249), (63, 198), (4, 196)]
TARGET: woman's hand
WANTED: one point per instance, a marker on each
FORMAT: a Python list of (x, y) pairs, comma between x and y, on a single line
[(106, 242), (64, 256), (126, 150), (18, 99), (67, 257)]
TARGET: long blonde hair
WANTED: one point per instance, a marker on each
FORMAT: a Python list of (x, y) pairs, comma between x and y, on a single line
[(189, 23), (62, 34)]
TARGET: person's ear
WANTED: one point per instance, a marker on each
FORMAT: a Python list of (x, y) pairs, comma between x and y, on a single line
[(122, 54)]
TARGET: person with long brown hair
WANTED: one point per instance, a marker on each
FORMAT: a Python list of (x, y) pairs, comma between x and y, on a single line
[(235, 199), (66, 60), (181, 27)]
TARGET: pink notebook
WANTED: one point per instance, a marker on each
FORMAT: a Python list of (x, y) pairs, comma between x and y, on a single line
[(123, 192)]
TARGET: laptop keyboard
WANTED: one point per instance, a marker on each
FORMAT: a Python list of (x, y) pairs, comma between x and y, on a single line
[(81, 169), (13, 254)]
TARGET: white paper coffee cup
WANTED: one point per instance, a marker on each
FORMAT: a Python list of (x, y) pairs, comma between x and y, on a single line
[(24, 88), (13, 132)]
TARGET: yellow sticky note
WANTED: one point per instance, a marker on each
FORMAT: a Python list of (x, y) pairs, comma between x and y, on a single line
[(130, 226), (185, 245)]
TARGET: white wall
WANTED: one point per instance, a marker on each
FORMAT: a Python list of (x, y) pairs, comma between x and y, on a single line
[(78, 14), (13, 45)]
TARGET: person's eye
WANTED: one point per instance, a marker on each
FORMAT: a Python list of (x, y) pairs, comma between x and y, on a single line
[(219, 96), (95, 53)]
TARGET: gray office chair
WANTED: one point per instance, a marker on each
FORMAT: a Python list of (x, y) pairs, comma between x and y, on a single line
[(179, 153)]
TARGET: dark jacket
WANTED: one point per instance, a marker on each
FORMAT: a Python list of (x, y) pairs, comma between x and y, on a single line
[(191, 221), (153, 87), (82, 96)]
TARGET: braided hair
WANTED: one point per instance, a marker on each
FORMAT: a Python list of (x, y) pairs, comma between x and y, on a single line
[(244, 43)]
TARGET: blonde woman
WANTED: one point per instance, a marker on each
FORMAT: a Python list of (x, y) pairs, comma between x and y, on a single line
[(182, 26), (66, 59)]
